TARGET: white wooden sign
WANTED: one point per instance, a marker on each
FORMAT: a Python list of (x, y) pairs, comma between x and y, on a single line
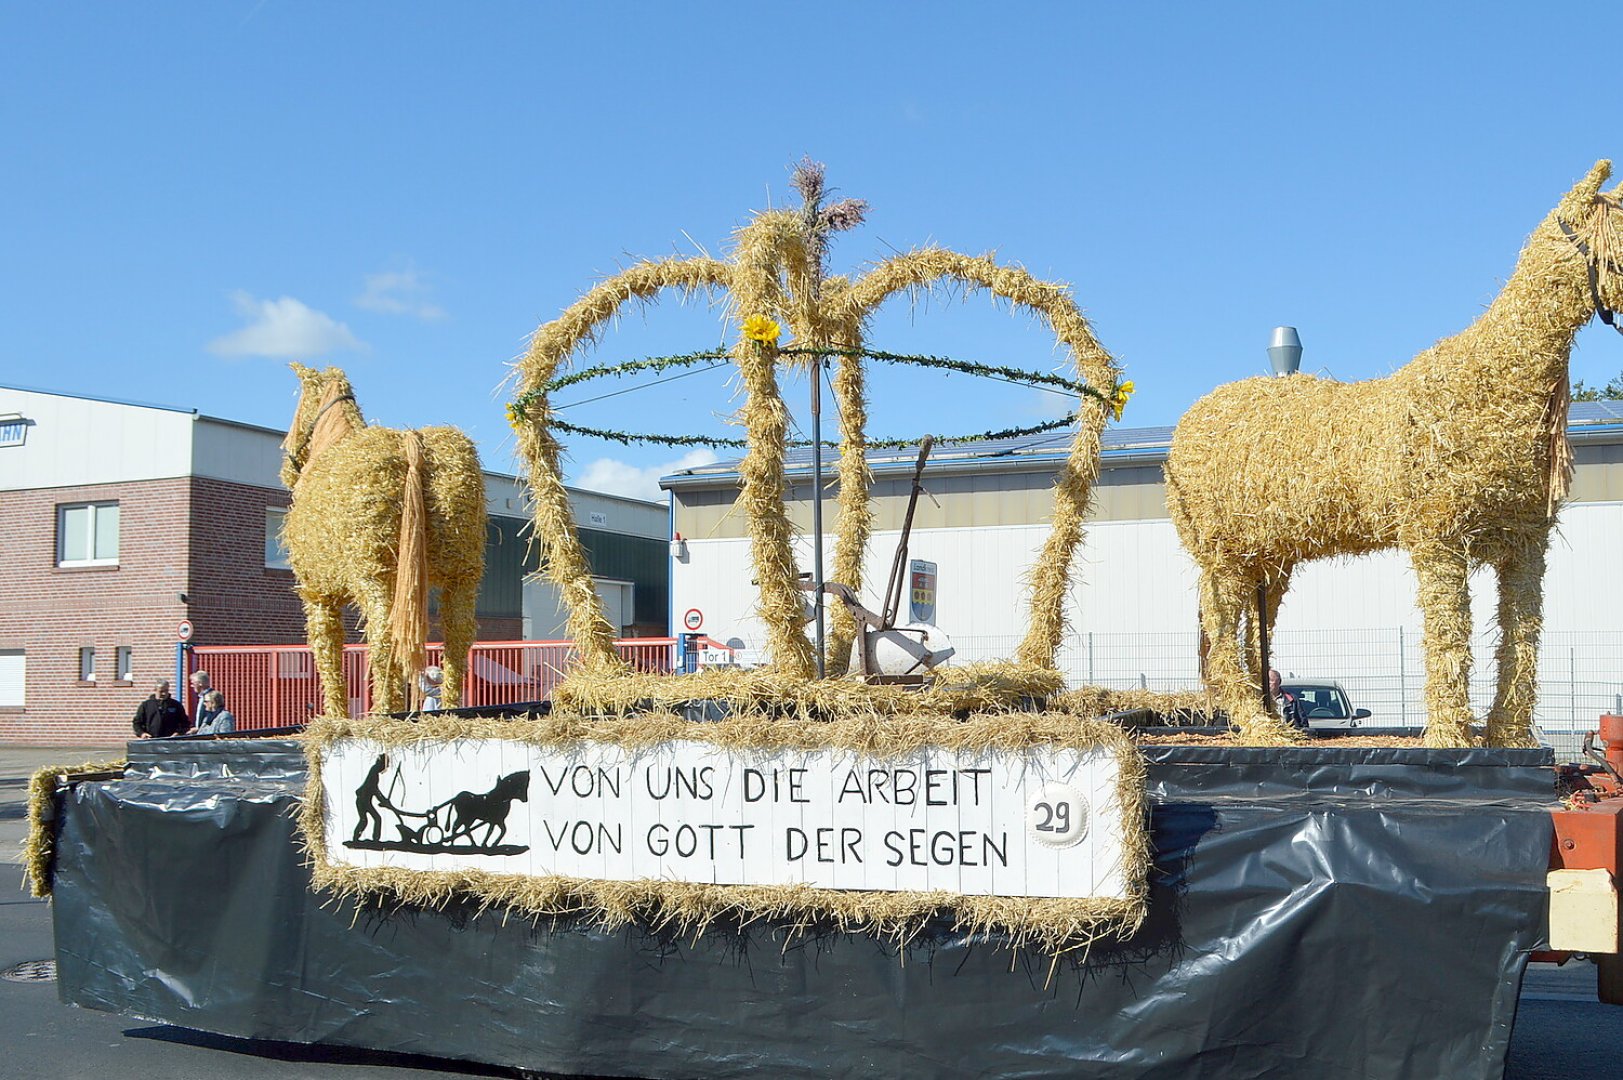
[(1031, 823)]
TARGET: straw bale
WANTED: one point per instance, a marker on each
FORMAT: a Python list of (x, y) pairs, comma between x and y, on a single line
[(1054, 925), (1459, 458), (953, 690), (348, 526), (39, 847), (1098, 701)]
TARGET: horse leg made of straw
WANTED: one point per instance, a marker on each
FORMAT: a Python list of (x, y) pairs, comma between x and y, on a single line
[(388, 684), (459, 627), (454, 524), (1278, 583), (1445, 603), (1225, 592), (1521, 576), (324, 626)]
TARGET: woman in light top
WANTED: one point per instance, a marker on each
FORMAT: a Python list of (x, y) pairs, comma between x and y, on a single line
[(212, 718), (430, 682)]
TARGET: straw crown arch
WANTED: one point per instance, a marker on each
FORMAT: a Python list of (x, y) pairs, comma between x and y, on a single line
[(777, 274)]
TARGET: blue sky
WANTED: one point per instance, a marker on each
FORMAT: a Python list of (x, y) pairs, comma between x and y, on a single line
[(196, 193)]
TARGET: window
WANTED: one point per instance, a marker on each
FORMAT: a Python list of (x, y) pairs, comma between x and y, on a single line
[(124, 658), (13, 676), (275, 549), (87, 664), (87, 534)]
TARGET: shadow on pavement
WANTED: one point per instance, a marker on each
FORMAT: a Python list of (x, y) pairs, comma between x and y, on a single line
[(323, 1055)]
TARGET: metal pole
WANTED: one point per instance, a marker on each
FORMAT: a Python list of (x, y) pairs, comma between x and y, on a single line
[(1262, 643), (817, 505), (1403, 681)]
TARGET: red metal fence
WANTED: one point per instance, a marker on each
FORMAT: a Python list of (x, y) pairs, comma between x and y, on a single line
[(267, 686)]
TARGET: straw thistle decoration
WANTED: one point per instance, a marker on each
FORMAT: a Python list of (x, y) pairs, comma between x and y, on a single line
[(378, 517), (1459, 458), (777, 279)]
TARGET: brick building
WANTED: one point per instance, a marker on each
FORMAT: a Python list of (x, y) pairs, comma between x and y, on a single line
[(119, 521)]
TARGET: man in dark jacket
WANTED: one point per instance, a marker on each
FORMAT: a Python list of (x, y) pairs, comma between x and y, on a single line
[(161, 715)]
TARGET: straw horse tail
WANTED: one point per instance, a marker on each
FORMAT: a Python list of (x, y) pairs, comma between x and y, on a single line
[(408, 614)]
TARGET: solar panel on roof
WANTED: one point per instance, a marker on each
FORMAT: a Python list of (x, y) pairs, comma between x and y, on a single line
[(1114, 441)]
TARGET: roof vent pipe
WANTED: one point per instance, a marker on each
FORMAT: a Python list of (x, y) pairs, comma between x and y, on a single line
[(1285, 350)]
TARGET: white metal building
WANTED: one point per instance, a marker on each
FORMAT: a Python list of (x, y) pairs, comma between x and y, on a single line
[(1133, 609)]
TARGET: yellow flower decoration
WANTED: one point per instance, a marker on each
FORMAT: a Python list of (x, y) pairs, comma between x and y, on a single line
[(1118, 400), (762, 329), (515, 416)]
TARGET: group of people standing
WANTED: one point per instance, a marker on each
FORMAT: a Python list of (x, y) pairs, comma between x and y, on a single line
[(161, 716)]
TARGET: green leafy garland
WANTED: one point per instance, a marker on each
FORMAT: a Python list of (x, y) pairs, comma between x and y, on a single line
[(518, 412)]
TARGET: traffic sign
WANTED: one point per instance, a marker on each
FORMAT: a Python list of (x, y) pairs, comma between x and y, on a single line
[(184, 630), (693, 619)]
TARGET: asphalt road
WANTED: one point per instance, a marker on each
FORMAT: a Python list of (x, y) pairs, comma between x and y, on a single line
[(1561, 1031)]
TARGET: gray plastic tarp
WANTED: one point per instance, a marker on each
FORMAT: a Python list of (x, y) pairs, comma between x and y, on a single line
[(1314, 912)]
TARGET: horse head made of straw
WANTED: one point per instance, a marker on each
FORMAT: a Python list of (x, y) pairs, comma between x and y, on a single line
[(378, 517), (1459, 458), (777, 275)]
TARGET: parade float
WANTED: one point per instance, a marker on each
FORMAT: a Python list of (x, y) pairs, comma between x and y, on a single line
[(823, 867)]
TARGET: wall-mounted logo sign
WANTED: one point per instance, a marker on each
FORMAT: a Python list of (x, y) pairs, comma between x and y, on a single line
[(1040, 822), (921, 575), (598, 519), (14, 429)]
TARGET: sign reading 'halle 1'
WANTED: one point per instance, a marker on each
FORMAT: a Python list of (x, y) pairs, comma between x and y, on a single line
[(1036, 822)]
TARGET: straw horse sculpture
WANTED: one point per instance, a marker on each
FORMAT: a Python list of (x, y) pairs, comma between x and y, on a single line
[(1459, 458), (378, 517), (778, 273)]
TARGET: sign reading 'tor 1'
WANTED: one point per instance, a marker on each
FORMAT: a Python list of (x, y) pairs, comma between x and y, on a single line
[(1027, 823)]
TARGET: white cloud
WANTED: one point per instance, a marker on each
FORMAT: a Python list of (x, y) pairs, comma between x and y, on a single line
[(285, 329), (399, 292), (618, 478)]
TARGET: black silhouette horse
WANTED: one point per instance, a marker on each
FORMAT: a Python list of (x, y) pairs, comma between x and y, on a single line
[(471, 812)]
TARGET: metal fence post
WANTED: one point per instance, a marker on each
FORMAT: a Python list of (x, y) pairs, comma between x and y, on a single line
[(1403, 680)]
